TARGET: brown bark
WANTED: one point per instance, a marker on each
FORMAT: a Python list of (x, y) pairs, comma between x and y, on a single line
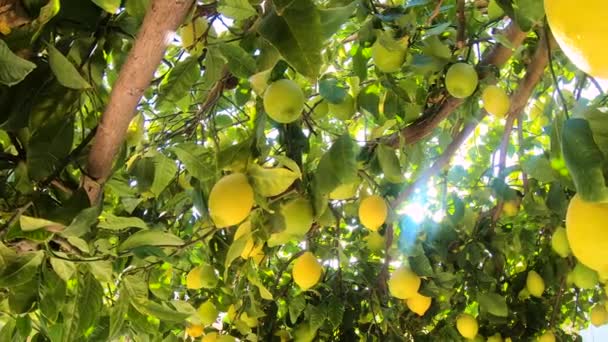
[(432, 117), (161, 20)]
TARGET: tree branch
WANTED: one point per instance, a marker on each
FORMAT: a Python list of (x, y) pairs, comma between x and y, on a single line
[(519, 100), (432, 117), (462, 25), (161, 20)]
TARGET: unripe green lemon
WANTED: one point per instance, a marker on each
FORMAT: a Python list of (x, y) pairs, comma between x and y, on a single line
[(375, 241), (320, 107), (584, 277), (535, 284), (559, 242), (404, 283), (386, 60), (467, 326), (496, 101), (284, 101), (207, 313), (343, 110), (230, 200), (461, 80), (306, 271), (373, 212)]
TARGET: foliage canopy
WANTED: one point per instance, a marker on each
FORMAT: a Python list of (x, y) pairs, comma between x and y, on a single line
[(471, 201)]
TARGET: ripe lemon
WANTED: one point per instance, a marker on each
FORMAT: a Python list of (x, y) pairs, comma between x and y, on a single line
[(207, 313), (230, 200), (373, 212), (496, 101), (467, 326), (201, 277), (419, 304), (194, 330), (581, 33), (598, 315), (587, 236), (559, 242), (320, 109), (510, 208), (306, 271), (386, 60), (584, 277), (297, 215), (461, 80), (547, 337), (343, 110), (535, 284), (495, 338), (375, 242), (344, 191), (404, 283), (284, 101)]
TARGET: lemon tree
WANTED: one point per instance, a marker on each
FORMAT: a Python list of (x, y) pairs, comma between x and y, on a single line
[(337, 170)]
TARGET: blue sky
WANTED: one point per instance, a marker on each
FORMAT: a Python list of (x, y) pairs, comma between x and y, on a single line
[(594, 334)]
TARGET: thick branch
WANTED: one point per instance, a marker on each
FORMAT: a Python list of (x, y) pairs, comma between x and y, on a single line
[(432, 117), (519, 100), (161, 21)]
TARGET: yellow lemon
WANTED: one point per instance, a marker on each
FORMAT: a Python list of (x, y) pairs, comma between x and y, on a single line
[(230, 200), (387, 60), (419, 304), (535, 284), (373, 212), (496, 101), (584, 277), (598, 315), (194, 330), (467, 326), (581, 33), (547, 337), (510, 208), (191, 35), (559, 242), (343, 110), (210, 337), (284, 101), (404, 283), (587, 236), (461, 80), (207, 313), (201, 277), (306, 271)]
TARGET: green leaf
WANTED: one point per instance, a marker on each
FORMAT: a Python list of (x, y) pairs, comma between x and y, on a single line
[(271, 182), (296, 306), (150, 238), (64, 70), (584, 160), (294, 28), (23, 270), (13, 69), (421, 265), (101, 269), (236, 9), (165, 170), (338, 165), (81, 224), (252, 276), (137, 8), (332, 90), (528, 13), (162, 312), (6, 334), (109, 221), (389, 163), (539, 167), (110, 6), (135, 287), (335, 312), (493, 303), (179, 80), (47, 12), (234, 251), (64, 269), (52, 291), (48, 146), (240, 62), (29, 223), (117, 316), (333, 18), (198, 161)]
